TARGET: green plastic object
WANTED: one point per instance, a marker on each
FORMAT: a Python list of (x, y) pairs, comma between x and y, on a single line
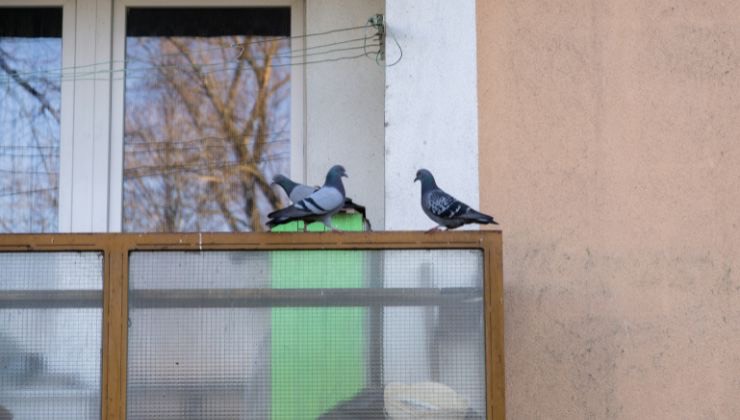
[(318, 353)]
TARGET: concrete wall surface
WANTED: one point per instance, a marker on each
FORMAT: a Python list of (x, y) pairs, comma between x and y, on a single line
[(610, 153), (431, 110), (344, 104)]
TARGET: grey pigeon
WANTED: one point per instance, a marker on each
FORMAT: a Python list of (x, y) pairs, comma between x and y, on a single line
[(295, 191), (445, 209), (321, 205)]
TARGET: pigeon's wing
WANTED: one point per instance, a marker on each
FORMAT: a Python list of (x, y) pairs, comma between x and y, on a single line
[(323, 201), (289, 212), (301, 191), (446, 206)]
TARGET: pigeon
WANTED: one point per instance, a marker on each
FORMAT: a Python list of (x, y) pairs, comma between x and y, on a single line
[(445, 209), (297, 192), (321, 205)]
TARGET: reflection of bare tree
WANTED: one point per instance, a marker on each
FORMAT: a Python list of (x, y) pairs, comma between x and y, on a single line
[(28, 88), (29, 134), (205, 126)]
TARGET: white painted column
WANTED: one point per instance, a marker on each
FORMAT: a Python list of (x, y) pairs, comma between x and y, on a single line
[(88, 160), (431, 106), (431, 122)]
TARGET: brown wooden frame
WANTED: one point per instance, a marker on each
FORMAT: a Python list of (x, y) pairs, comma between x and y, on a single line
[(116, 248)]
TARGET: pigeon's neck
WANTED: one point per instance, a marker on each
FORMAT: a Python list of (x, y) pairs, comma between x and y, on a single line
[(428, 184), (289, 186), (335, 181)]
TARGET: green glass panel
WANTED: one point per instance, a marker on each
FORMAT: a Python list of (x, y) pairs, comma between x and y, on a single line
[(317, 353)]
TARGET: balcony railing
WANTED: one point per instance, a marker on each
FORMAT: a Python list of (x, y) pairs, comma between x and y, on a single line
[(274, 325)]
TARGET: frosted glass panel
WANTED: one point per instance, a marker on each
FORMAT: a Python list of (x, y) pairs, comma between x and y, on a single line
[(306, 334), (50, 335)]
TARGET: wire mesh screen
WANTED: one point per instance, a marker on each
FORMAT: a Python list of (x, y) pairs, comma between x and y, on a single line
[(306, 334), (50, 335)]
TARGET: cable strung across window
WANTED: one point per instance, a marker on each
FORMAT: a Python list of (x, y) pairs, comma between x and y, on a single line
[(370, 45)]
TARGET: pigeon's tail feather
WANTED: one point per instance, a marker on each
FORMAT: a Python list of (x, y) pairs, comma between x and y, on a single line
[(473, 216), (276, 222)]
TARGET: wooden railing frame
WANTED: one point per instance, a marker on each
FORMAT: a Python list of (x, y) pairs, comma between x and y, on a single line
[(116, 249)]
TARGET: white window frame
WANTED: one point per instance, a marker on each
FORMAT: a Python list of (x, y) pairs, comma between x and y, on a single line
[(297, 96)]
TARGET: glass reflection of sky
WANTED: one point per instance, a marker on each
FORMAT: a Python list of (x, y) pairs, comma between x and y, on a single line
[(29, 134)]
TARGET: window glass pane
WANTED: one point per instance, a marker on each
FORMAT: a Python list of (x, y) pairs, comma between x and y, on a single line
[(207, 117), (306, 334), (50, 335), (30, 109)]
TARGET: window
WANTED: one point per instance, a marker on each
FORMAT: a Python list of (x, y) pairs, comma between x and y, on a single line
[(30, 117), (104, 126), (93, 137), (206, 117)]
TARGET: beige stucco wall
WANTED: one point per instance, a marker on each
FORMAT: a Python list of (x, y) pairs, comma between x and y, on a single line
[(610, 152)]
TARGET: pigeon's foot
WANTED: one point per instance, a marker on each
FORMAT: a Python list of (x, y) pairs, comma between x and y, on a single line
[(331, 227), (432, 230)]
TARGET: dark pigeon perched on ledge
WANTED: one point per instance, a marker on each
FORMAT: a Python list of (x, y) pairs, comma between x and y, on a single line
[(444, 209)]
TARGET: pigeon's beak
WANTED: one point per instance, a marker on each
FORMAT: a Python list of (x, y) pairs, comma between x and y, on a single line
[(417, 178), (344, 175)]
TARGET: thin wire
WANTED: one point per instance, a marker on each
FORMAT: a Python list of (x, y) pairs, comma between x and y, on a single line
[(241, 49), (328, 60), (26, 146), (227, 65), (364, 42), (204, 142), (4, 154), (215, 164), (400, 51), (291, 55), (163, 147), (149, 76), (160, 170), (332, 31), (19, 172), (12, 193), (364, 38), (129, 73), (241, 45), (195, 140), (327, 52)]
